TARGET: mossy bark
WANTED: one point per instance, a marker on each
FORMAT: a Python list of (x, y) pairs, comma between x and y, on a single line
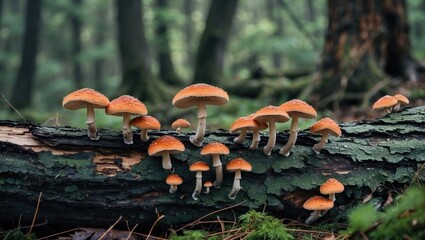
[(92, 183)]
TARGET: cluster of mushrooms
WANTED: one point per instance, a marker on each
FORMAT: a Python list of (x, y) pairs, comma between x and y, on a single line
[(200, 95)]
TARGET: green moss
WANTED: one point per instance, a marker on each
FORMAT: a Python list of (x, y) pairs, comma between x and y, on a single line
[(308, 181)]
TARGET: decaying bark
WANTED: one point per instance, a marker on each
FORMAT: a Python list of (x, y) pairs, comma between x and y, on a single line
[(92, 183)]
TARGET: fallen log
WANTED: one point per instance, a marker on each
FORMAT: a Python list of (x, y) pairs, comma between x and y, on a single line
[(92, 183)]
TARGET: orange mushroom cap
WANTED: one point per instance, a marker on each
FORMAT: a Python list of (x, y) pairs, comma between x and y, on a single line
[(208, 184), (165, 143), (326, 125), (146, 122), (267, 113), (199, 166), (386, 101), (238, 164), (181, 122), (200, 92), (244, 123), (299, 108), (126, 104), (318, 203), (174, 179), (331, 186), (215, 148), (401, 98), (79, 99)]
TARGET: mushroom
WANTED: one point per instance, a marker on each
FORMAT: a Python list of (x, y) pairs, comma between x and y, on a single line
[(401, 100), (215, 149), (385, 102), (164, 146), (198, 167), (245, 124), (325, 127), (296, 109), (173, 180), (237, 165), (270, 115), (207, 186), (179, 124), (90, 99), (318, 204), (331, 186), (126, 106), (256, 138), (200, 95), (145, 123)]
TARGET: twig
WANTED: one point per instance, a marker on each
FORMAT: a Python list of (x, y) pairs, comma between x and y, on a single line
[(156, 221), (131, 232), (110, 228), (199, 219), (35, 214), (10, 105), (60, 233)]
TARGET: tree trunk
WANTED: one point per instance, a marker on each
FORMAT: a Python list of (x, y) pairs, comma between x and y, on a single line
[(76, 43), (135, 60), (23, 88), (276, 18), (365, 40), (166, 67), (188, 8), (211, 50), (99, 40), (92, 183)]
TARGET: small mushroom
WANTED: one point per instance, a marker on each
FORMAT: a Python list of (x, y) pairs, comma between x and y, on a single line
[(271, 115), (200, 95), (89, 99), (179, 124), (401, 100), (215, 149), (164, 146), (331, 186), (207, 186), (296, 109), (386, 102), (126, 106), (317, 204), (325, 127), (173, 180), (198, 167), (237, 165), (145, 123)]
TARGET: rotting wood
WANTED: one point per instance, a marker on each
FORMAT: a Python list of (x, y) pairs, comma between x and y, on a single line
[(92, 183)]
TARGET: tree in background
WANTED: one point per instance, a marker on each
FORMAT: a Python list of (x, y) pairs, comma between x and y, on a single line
[(133, 47), (209, 59), (76, 43), (365, 41), (23, 87), (166, 67)]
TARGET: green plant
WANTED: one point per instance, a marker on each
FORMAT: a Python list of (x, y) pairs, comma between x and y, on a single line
[(190, 235), (16, 234), (263, 226)]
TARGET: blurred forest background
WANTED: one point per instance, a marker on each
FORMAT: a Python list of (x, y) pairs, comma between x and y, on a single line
[(261, 52)]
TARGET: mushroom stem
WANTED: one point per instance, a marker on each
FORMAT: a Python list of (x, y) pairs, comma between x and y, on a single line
[(256, 138), (272, 138), (166, 161), (236, 185), (144, 135), (241, 137), (179, 130), (173, 189), (321, 144), (316, 214), (332, 197), (198, 186), (200, 130), (207, 190), (91, 123), (218, 171), (286, 150), (126, 129)]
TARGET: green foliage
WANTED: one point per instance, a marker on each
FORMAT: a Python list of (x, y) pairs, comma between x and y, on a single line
[(404, 219), (16, 234), (190, 235), (263, 226)]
